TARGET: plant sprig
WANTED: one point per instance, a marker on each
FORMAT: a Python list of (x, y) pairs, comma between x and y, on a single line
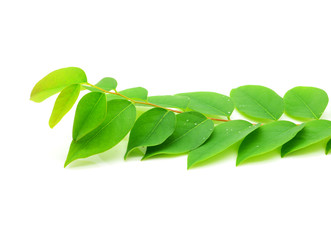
[(197, 123)]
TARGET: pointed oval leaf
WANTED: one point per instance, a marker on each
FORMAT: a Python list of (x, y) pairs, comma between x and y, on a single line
[(223, 136), (137, 93), (170, 101), (305, 102), (258, 102), (121, 115), (209, 103), (64, 103), (328, 147), (192, 130), (313, 132), (56, 81), (267, 138), (106, 83), (90, 113), (151, 128)]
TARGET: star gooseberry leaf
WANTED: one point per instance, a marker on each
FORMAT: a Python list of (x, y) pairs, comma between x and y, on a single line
[(151, 128), (223, 136), (209, 103), (258, 102), (121, 115), (192, 130), (328, 147), (170, 101), (106, 83), (267, 138), (90, 113), (64, 103), (313, 132), (56, 81), (137, 93), (305, 102)]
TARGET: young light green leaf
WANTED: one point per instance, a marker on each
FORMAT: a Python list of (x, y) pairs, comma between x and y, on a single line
[(305, 102), (121, 115), (313, 132), (56, 81), (170, 101), (258, 102), (90, 113), (209, 103), (151, 128), (106, 83), (192, 130), (267, 138), (64, 103), (137, 93), (328, 147), (223, 136)]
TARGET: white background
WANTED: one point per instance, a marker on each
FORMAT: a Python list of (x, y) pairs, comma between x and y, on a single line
[(167, 47)]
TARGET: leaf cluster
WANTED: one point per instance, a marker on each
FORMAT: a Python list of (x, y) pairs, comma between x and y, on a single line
[(194, 123)]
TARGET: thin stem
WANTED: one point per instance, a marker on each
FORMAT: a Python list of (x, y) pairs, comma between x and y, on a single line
[(147, 103)]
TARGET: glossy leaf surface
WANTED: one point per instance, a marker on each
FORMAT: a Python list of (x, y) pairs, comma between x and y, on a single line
[(106, 83), (209, 103), (56, 81), (223, 136), (328, 147), (90, 113), (121, 115), (258, 102), (64, 103), (305, 102), (267, 138), (313, 132), (192, 129), (137, 93), (151, 128), (170, 101)]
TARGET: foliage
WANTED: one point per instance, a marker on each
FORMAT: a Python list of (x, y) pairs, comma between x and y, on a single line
[(196, 123)]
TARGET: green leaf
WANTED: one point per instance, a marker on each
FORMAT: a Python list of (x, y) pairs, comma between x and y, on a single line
[(121, 115), (64, 103), (305, 102), (170, 101), (106, 83), (192, 130), (258, 102), (224, 136), (209, 103), (328, 147), (137, 93), (56, 81), (90, 113), (313, 132), (267, 138), (151, 128)]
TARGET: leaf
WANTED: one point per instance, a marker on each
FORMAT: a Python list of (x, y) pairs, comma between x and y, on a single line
[(258, 102), (170, 101), (106, 83), (90, 113), (56, 81), (209, 103), (121, 115), (223, 136), (192, 129), (328, 147), (137, 93), (64, 103), (313, 132), (305, 102), (151, 128), (267, 138)]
